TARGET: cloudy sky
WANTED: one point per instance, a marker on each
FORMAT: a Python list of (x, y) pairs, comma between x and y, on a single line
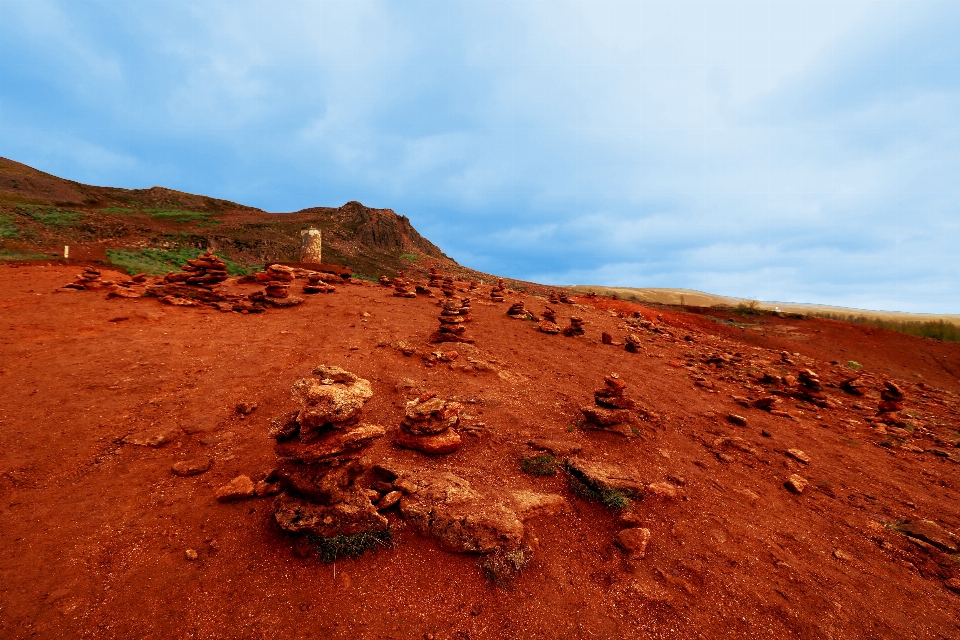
[(791, 150)]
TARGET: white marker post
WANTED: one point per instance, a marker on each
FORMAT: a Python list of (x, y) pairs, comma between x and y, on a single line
[(66, 251)]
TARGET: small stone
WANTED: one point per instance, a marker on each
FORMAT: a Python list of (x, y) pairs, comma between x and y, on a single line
[(634, 541), (151, 438), (239, 488), (246, 408), (441, 443), (389, 500), (840, 555), (663, 490), (264, 488), (798, 455), (737, 420), (192, 467), (190, 555), (796, 483)]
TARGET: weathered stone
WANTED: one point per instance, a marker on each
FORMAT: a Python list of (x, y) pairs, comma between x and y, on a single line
[(264, 488), (738, 420), (634, 541), (930, 531), (330, 444), (798, 455), (389, 499), (239, 488), (601, 416), (559, 448), (191, 467), (663, 490), (151, 437), (602, 476), (322, 483), (335, 398), (446, 507), (190, 555), (356, 514), (442, 443), (285, 426), (796, 483)]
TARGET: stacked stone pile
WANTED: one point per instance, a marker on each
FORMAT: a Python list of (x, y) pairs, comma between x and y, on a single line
[(560, 298), (436, 279), (473, 285), (810, 388), (403, 288), (452, 318), (276, 279), (89, 279), (549, 322), (429, 425), (207, 270), (517, 311), (611, 409), (891, 398), (575, 328), (496, 293), (317, 283), (448, 288), (320, 448), (384, 280), (554, 298)]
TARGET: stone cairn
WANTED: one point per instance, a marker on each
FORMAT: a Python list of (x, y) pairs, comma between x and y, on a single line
[(575, 328), (453, 316), (436, 278), (473, 286), (384, 280), (276, 279), (518, 311), (403, 288), (320, 448), (496, 293), (810, 388), (89, 279), (448, 287), (560, 298), (428, 425), (549, 322), (611, 409), (206, 271), (317, 283), (891, 398)]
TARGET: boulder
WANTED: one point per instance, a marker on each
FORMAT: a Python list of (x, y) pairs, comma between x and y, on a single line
[(237, 489), (634, 541), (602, 476), (356, 514)]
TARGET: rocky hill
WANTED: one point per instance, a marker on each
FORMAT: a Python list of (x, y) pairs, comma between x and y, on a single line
[(40, 213)]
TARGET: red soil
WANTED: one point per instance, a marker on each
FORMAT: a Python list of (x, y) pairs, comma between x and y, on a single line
[(94, 532)]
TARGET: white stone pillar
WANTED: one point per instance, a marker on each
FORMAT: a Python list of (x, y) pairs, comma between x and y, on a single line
[(310, 245)]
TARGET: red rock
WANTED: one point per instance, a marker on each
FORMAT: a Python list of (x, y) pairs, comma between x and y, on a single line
[(740, 421), (442, 443), (239, 488), (634, 541), (605, 417), (796, 483), (192, 467)]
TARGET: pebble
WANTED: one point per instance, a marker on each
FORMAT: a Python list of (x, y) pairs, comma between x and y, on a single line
[(239, 488), (737, 420), (798, 455), (797, 483), (191, 555), (192, 467), (634, 541)]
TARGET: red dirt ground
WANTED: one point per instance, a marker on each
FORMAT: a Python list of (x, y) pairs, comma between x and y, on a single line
[(94, 532)]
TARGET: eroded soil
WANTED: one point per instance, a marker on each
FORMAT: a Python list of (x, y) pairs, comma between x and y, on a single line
[(94, 532)]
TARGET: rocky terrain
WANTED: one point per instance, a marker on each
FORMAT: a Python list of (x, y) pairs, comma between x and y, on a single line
[(430, 453), (245, 467)]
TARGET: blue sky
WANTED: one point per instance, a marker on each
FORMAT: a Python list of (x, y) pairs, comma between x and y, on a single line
[(792, 150)]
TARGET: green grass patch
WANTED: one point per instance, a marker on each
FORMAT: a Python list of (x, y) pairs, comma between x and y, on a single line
[(7, 228), (181, 216), (118, 210), (410, 257), (542, 465), (157, 262), (332, 549), (610, 498), (854, 365), (51, 215), (18, 255)]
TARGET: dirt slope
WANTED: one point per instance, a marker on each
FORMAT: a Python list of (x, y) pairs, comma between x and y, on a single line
[(95, 531)]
